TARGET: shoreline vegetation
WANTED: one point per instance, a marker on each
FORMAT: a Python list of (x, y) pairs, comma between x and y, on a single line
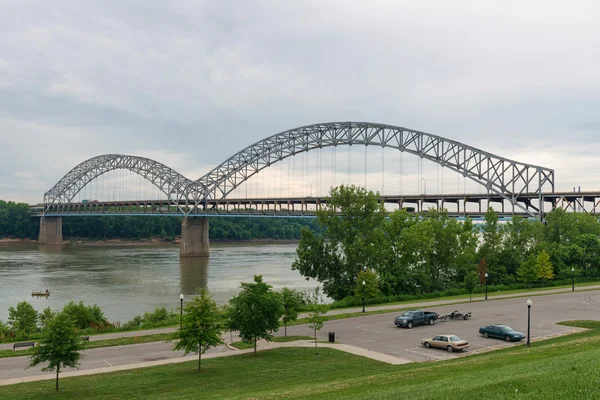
[(93, 321), (141, 242), (16, 222)]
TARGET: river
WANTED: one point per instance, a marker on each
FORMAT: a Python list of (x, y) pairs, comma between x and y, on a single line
[(129, 280)]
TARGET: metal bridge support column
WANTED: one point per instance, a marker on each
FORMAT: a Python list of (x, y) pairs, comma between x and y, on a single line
[(50, 230), (194, 237)]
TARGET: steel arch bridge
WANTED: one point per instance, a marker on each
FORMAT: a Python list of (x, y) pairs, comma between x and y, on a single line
[(501, 176)]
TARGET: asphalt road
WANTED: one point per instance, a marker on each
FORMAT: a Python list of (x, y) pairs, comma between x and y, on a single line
[(14, 367), (378, 332)]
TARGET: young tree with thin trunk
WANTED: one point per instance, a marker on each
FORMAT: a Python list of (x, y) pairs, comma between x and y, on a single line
[(256, 311), (228, 322), (316, 321), (202, 326), (292, 301), (528, 271), (544, 266), (60, 345), (470, 282)]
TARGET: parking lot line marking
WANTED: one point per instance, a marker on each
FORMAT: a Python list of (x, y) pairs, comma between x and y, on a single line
[(109, 364), (427, 355), (361, 327)]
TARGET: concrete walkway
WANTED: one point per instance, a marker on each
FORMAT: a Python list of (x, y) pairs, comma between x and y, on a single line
[(417, 304)]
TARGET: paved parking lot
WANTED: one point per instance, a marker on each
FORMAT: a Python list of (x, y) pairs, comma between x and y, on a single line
[(378, 332)]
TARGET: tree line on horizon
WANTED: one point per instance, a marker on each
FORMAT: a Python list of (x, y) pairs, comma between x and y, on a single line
[(16, 222)]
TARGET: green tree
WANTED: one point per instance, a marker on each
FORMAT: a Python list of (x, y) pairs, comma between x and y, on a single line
[(491, 246), (396, 272), (291, 301), (228, 322), (60, 345), (256, 311), (466, 249), (470, 282), (23, 319), (353, 220), (544, 266), (202, 326), (528, 271), (316, 320), (371, 287), (45, 316)]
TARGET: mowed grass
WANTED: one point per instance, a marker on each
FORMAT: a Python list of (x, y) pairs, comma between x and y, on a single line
[(561, 368)]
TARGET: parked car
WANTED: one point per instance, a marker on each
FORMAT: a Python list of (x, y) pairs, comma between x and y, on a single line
[(501, 331), (448, 342), (410, 318)]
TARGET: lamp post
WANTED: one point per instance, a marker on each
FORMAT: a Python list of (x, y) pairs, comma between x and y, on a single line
[(486, 278), (310, 185), (528, 321), (363, 295), (572, 279), (180, 311)]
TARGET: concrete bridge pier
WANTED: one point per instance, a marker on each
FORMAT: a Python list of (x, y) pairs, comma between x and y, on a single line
[(194, 237), (50, 230)]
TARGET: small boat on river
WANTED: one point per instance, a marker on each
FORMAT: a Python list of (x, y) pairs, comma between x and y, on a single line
[(40, 293)]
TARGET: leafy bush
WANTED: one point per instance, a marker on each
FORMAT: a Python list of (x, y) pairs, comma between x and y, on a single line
[(5, 332), (45, 316), (86, 316), (157, 316)]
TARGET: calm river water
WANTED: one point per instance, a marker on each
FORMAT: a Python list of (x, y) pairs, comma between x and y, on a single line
[(126, 280)]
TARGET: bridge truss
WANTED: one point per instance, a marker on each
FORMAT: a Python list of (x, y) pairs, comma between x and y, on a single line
[(502, 177)]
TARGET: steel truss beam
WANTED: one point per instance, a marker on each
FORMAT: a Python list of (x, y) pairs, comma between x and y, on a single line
[(167, 180), (504, 177)]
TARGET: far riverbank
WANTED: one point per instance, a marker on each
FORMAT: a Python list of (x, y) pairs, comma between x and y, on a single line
[(141, 242)]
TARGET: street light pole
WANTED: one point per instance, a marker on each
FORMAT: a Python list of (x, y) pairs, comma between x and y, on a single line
[(486, 279), (180, 311), (363, 295), (572, 279), (528, 322)]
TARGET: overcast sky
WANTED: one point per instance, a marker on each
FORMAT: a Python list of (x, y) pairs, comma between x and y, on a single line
[(189, 83)]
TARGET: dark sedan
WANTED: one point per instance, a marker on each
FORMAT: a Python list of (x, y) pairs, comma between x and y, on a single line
[(501, 331)]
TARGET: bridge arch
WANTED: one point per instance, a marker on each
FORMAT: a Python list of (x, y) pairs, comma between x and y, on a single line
[(167, 180), (505, 177)]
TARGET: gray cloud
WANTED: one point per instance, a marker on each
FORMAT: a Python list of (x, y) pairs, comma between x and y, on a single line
[(193, 82)]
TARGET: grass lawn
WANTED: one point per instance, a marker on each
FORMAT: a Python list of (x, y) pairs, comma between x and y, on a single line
[(100, 343), (562, 368)]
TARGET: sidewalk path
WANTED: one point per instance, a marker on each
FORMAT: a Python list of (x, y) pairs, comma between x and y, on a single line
[(417, 304)]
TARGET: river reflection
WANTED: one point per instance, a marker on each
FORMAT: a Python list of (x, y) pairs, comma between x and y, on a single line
[(193, 274), (126, 281)]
